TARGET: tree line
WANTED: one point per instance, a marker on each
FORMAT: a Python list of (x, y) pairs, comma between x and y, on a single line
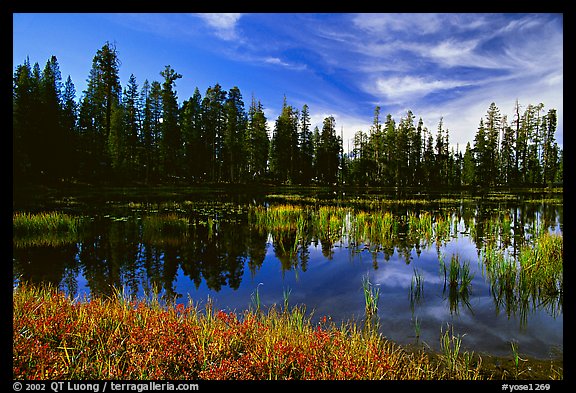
[(142, 135)]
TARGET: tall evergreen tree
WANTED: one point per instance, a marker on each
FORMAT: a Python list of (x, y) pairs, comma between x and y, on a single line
[(284, 146), (117, 142), (468, 167), (306, 146), (550, 148), (100, 97), (171, 143), (360, 159), (428, 159), (379, 153), (257, 142), (328, 153), (195, 154), (52, 157), (481, 156), (493, 126), (507, 153), (24, 105), (214, 122), (132, 121), (69, 121), (151, 103), (233, 141)]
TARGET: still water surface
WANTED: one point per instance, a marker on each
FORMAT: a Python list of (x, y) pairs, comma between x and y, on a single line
[(224, 256)]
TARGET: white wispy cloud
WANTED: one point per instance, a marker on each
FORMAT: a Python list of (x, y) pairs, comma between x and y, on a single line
[(419, 24), (279, 62), (223, 24), (402, 89)]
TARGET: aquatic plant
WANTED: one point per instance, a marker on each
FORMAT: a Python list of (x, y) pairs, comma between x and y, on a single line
[(45, 228), (458, 365), (54, 222), (516, 357), (371, 297), (416, 288), (533, 278), (459, 280)]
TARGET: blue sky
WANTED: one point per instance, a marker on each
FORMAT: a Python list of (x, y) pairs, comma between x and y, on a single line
[(437, 65)]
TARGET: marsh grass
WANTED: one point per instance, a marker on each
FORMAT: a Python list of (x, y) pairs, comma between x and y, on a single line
[(116, 337), (45, 229), (459, 366), (416, 289), (55, 222), (517, 359), (373, 230), (458, 280), (531, 279), (371, 298)]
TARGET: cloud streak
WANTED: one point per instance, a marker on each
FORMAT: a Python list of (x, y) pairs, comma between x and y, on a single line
[(223, 24)]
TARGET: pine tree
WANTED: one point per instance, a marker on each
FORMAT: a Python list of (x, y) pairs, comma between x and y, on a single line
[(493, 126), (233, 146), (195, 154), (507, 154), (69, 120), (23, 116), (328, 152), (550, 148), (306, 147), (429, 164), (441, 153), (379, 154), (284, 146), (416, 152), (100, 97), (468, 167), (360, 159), (132, 121), (151, 103), (481, 156), (388, 162), (171, 142), (257, 142), (214, 122), (52, 155), (316, 144), (116, 142)]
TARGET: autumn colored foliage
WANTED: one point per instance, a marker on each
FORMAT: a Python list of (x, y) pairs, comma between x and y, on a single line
[(56, 337)]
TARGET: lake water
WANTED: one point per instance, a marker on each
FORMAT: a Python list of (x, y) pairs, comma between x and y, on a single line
[(223, 255)]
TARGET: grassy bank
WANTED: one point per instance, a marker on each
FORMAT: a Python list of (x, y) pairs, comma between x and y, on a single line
[(56, 337)]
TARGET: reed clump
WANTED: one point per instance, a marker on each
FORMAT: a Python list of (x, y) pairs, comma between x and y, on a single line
[(533, 278), (24, 223), (45, 229), (374, 229)]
